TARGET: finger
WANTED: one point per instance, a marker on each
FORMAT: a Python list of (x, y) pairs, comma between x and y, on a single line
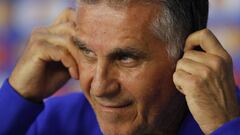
[(194, 68), (60, 40), (207, 41), (64, 28), (40, 30), (59, 54), (68, 15), (212, 61), (180, 77)]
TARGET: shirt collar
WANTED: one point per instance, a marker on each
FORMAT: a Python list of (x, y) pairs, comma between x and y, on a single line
[(189, 126)]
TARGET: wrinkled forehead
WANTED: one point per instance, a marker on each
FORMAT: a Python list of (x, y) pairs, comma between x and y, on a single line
[(102, 17), (99, 24), (137, 14)]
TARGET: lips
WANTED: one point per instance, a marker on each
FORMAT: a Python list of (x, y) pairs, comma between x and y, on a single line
[(112, 107), (115, 105)]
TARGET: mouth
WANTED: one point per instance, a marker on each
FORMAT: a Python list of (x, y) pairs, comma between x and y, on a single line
[(109, 107)]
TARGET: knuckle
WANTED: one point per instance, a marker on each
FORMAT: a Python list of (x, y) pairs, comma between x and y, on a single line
[(188, 54), (175, 76), (196, 82), (206, 32), (34, 37), (38, 43), (62, 51), (217, 63), (180, 62), (206, 73), (184, 61)]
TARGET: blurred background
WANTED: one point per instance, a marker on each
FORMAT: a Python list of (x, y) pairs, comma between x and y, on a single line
[(18, 17)]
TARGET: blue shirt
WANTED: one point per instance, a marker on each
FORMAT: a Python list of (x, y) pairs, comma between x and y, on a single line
[(69, 115)]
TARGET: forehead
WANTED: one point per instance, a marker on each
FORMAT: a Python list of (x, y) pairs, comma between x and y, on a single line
[(106, 23)]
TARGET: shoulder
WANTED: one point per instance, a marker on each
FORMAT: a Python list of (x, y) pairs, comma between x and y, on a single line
[(73, 109), (69, 100), (68, 104)]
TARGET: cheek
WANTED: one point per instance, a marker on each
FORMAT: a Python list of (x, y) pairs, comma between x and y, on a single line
[(83, 73), (151, 87), (86, 70), (86, 73)]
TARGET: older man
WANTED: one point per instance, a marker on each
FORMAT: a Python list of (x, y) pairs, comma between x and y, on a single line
[(129, 56)]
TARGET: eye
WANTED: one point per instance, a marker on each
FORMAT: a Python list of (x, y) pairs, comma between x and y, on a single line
[(88, 53), (128, 61), (84, 50)]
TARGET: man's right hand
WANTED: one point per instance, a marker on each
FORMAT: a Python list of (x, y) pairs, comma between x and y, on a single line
[(47, 62)]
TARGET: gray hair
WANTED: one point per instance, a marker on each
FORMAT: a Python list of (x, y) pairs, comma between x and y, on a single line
[(176, 20)]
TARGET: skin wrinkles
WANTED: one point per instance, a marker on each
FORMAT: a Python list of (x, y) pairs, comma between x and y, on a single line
[(123, 64), (117, 52), (125, 73)]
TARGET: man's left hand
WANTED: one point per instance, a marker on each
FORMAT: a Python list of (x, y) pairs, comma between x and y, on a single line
[(206, 79)]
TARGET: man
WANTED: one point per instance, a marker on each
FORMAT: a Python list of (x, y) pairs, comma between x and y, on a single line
[(129, 56)]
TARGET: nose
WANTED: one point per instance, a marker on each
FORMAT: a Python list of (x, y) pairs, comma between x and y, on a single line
[(104, 83)]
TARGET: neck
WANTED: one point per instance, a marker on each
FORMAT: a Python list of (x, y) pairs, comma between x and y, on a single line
[(170, 120)]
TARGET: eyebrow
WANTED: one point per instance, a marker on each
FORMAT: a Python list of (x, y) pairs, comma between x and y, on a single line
[(80, 44), (128, 51), (116, 53)]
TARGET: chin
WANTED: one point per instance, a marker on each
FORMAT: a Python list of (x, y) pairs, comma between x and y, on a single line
[(114, 127)]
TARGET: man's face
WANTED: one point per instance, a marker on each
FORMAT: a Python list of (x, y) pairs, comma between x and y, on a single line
[(124, 69)]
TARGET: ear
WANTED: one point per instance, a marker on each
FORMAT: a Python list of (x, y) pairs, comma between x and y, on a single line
[(68, 15)]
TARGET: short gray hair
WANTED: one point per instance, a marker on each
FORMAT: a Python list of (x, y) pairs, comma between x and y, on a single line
[(176, 20)]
